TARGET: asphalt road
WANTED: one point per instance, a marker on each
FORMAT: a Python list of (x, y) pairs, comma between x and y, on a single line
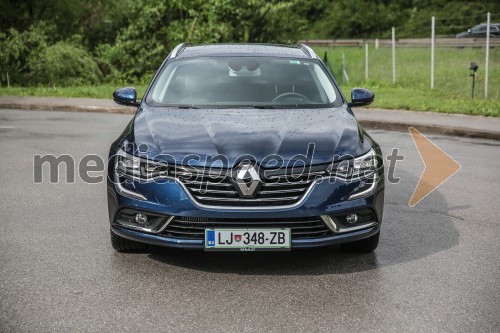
[(437, 267)]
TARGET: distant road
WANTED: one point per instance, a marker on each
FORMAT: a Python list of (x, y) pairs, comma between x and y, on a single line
[(408, 42)]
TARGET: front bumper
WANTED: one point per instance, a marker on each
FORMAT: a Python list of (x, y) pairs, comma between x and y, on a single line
[(198, 244), (171, 199)]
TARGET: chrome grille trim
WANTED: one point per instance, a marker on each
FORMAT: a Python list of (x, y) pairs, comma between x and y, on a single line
[(278, 184), (203, 191), (290, 190), (245, 200), (198, 183), (281, 188)]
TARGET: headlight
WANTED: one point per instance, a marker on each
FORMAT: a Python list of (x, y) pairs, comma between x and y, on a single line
[(359, 167), (139, 168)]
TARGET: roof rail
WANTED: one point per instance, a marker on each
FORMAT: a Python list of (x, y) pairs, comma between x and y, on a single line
[(307, 50), (178, 49)]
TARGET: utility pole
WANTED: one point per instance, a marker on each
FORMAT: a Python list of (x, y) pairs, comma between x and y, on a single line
[(487, 55), (393, 55), (433, 36)]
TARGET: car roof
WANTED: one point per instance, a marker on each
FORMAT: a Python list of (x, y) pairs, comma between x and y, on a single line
[(485, 24), (218, 50)]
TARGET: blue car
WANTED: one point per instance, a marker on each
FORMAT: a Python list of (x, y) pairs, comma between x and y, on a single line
[(244, 147)]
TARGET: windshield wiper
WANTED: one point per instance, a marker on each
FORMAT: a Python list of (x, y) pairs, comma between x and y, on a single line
[(264, 106), (190, 106), (186, 106)]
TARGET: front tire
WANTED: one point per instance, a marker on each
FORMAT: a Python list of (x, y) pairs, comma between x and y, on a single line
[(121, 244), (366, 245)]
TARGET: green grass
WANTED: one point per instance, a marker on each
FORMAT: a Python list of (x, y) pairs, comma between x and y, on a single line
[(452, 93), (100, 91), (404, 98)]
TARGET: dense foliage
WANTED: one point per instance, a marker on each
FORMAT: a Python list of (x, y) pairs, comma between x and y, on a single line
[(67, 42)]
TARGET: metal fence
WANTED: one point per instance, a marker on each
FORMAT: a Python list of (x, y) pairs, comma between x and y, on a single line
[(439, 62)]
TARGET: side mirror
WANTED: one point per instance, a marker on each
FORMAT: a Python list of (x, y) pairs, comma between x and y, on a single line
[(126, 96), (468, 30), (361, 97)]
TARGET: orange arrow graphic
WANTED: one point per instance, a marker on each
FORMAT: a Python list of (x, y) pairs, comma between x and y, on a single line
[(439, 166)]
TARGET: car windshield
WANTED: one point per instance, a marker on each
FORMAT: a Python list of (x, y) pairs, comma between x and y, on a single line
[(260, 82)]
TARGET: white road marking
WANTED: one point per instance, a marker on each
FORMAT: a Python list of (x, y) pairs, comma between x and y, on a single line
[(6, 127)]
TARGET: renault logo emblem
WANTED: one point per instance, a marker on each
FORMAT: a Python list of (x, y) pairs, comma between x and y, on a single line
[(246, 180)]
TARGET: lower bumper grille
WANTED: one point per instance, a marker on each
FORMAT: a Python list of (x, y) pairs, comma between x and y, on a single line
[(194, 227)]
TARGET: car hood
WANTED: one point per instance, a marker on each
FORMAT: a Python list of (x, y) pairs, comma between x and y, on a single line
[(238, 134)]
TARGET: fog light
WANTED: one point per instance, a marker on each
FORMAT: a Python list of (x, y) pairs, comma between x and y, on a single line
[(145, 222), (351, 218), (141, 219)]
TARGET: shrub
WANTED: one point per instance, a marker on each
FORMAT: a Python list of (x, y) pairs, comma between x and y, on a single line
[(63, 64), (17, 47)]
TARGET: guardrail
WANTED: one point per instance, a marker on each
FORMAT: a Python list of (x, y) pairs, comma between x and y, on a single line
[(407, 42)]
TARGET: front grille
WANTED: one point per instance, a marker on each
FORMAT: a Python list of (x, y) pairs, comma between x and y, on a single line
[(279, 187), (194, 227)]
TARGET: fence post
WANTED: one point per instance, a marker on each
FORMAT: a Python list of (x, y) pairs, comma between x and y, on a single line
[(376, 43), (433, 34), (345, 77), (366, 62), (393, 55), (487, 55)]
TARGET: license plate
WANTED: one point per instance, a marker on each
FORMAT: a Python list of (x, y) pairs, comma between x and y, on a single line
[(247, 239)]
